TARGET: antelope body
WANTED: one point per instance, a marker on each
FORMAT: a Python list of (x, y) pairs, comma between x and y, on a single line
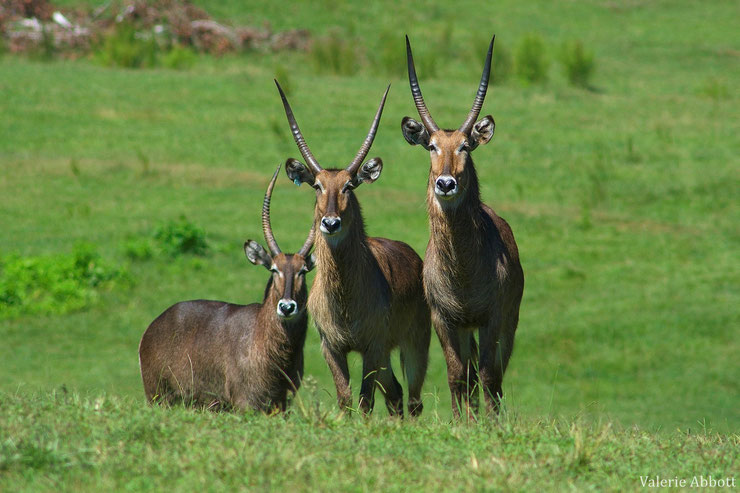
[(472, 275), (367, 295), (223, 355)]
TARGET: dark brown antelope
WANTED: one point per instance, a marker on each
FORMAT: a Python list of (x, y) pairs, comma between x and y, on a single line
[(367, 295), (223, 355), (472, 275)]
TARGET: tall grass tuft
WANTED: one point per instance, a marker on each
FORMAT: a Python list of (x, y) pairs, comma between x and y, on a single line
[(531, 60), (178, 58), (502, 64), (715, 89), (578, 63), (336, 53), (282, 75), (389, 57), (125, 48)]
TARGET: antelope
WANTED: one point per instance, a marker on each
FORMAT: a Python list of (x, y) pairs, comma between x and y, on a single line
[(472, 275), (367, 295), (222, 355)]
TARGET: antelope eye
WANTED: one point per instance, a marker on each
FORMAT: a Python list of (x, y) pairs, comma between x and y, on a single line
[(432, 148), (274, 269)]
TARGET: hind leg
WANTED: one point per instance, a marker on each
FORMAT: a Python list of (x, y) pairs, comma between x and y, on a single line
[(370, 370), (391, 389), (497, 344)]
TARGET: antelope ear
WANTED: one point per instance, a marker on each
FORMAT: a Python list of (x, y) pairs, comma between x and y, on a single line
[(256, 254), (482, 132), (414, 132), (298, 173), (370, 171)]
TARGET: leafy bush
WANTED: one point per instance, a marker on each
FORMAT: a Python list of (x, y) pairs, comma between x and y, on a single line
[(335, 53), (139, 248), (181, 237), (578, 63), (56, 283), (125, 48), (531, 60)]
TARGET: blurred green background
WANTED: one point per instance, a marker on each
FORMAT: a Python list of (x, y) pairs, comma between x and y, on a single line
[(621, 188)]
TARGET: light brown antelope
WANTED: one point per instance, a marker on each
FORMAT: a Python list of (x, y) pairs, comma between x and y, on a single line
[(223, 355), (472, 275), (367, 295)]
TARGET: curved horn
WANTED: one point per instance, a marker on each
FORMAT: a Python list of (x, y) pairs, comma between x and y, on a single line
[(421, 106), (481, 94), (299, 140), (303, 252), (365, 148), (266, 228)]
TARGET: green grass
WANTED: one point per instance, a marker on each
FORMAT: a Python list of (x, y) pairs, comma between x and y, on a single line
[(623, 201), (106, 443)]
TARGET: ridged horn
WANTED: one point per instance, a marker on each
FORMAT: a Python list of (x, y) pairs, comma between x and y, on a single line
[(365, 148), (297, 135), (266, 227), (421, 106), (480, 96)]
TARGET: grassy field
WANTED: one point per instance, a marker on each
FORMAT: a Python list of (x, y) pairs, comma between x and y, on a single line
[(623, 200)]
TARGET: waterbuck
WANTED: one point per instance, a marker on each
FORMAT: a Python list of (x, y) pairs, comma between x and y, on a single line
[(472, 275), (367, 295), (222, 355)]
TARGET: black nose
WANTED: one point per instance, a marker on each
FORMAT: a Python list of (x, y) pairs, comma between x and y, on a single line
[(445, 184), (286, 308), (331, 224)]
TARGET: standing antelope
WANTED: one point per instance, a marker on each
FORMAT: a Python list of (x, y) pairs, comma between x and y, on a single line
[(472, 275), (367, 295), (225, 355)]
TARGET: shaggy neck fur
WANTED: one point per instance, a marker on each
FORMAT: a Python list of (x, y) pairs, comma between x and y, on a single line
[(344, 271), (455, 227)]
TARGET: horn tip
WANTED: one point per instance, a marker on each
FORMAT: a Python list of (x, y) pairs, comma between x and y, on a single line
[(280, 89)]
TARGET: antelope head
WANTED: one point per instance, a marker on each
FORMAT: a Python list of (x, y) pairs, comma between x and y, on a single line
[(288, 283), (336, 206), (451, 168)]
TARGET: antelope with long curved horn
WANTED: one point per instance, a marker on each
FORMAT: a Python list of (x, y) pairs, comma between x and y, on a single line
[(472, 275), (367, 295), (223, 355)]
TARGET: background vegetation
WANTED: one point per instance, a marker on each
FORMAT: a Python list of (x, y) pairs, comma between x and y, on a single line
[(622, 193)]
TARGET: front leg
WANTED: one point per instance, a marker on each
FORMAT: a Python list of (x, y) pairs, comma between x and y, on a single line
[(337, 361), (450, 343), (296, 374)]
